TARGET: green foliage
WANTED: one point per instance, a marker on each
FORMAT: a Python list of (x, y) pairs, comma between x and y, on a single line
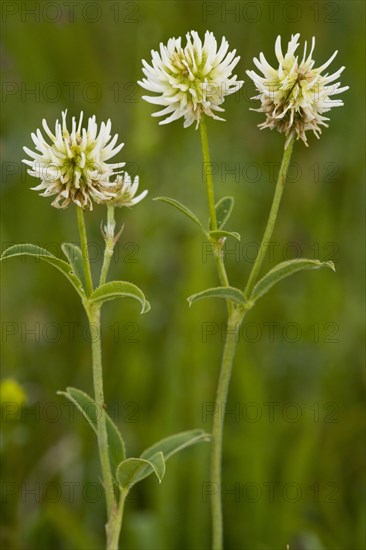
[(119, 289), (42, 254), (224, 208), (283, 270), (153, 459), (90, 410), (182, 209), (216, 235), (75, 258), (175, 443), (129, 471), (227, 293), (133, 470)]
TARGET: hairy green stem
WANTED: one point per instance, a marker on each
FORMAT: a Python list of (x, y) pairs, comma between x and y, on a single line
[(232, 332), (95, 330), (84, 250), (109, 244), (207, 171), (281, 180), (211, 205), (235, 316), (115, 522), (114, 509)]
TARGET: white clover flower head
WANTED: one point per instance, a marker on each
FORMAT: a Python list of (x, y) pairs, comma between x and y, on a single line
[(124, 191), (295, 96), (73, 167), (192, 80)]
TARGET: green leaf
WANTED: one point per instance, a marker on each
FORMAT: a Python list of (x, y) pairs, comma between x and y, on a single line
[(226, 292), (90, 410), (75, 257), (182, 208), (153, 459), (119, 289), (174, 443), (133, 470), (223, 207), (43, 254), (282, 270), (223, 234)]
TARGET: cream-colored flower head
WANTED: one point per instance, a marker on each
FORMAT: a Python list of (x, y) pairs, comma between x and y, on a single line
[(124, 191), (295, 96), (73, 167), (192, 80)]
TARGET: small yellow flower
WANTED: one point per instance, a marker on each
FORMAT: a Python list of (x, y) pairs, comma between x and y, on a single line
[(12, 392)]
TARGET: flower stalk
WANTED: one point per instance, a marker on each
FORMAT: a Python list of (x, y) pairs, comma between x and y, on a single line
[(217, 245), (84, 250), (231, 338), (95, 330), (115, 504), (208, 174), (114, 524), (235, 318), (281, 180), (114, 508)]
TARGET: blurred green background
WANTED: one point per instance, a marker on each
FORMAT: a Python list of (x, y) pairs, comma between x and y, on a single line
[(294, 441)]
